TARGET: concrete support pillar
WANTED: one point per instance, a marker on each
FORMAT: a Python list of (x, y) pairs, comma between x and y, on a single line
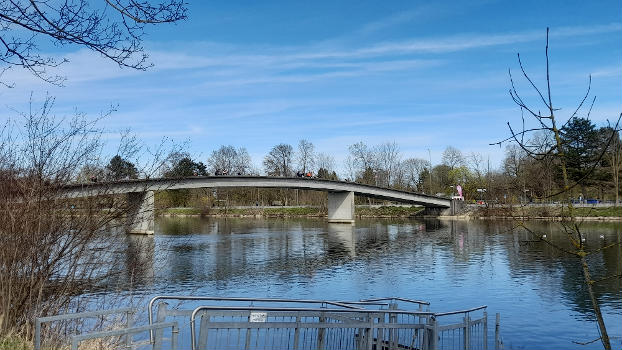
[(140, 212), (457, 206), (341, 207)]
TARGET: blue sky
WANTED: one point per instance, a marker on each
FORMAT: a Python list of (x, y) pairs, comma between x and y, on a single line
[(423, 74)]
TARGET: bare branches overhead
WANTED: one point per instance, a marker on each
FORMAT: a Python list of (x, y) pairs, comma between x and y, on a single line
[(113, 28), (574, 148)]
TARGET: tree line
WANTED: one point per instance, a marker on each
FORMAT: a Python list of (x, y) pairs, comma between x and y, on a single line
[(593, 164)]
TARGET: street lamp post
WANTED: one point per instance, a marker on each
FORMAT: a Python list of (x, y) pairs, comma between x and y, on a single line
[(481, 193)]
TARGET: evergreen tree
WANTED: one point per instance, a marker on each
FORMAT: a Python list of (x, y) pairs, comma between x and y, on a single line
[(580, 145), (119, 169), (326, 174), (186, 167)]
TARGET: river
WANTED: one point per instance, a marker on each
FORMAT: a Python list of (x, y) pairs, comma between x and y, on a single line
[(538, 290)]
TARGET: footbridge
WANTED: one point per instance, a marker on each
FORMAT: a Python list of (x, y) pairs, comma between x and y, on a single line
[(340, 194)]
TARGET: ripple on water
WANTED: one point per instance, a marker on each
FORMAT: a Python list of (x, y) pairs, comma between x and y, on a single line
[(538, 291)]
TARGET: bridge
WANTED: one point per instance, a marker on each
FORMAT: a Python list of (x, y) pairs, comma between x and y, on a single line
[(340, 194)]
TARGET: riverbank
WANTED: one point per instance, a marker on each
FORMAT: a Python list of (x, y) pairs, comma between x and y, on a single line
[(550, 213), (359, 212)]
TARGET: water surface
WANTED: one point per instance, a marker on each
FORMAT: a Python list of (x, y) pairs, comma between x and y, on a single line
[(537, 289)]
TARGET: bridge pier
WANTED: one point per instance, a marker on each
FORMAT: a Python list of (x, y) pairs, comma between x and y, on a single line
[(140, 214), (341, 207), (456, 207)]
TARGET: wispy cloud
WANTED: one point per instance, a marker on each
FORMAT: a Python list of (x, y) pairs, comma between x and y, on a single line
[(398, 19), (325, 61), (469, 41), (608, 72)]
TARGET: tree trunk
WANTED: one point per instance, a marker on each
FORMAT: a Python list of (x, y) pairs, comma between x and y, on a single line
[(580, 251), (604, 337), (616, 177)]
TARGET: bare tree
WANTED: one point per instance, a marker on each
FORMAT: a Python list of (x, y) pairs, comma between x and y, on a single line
[(388, 155), (324, 161), (279, 161), (476, 163), (514, 167), (306, 155), (52, 247), (362, 162), (452, 157), (243, 163), (363, 156), (90, 173), (537, 122), (350, 168), (413, 168), (114, 29), (231, 160)]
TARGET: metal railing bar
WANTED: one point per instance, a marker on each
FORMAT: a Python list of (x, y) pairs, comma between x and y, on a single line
[(460, 311), (188, 312), (363, 303), (477, 321), (253, 325), (449, 327), (420, 302), (327, 311), (85, 314)]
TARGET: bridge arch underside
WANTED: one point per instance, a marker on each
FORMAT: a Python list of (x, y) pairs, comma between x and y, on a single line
[(340, 194)]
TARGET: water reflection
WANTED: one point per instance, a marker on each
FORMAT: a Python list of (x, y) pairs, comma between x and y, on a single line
[(199, 249), (139, 256), (341, 240), (453, 264)]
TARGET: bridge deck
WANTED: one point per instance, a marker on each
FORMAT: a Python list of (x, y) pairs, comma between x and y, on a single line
[(160, 184)]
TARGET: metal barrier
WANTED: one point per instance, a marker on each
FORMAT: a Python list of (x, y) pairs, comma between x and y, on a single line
[(322, 303), (306, 328), (470, 333), (128, 332), (263, 323), (128, 311)]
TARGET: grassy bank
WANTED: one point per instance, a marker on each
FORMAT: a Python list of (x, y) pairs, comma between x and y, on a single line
[(396, 212), (549, 212), (380, 212), (13, 342), (387, 212), (269, 212)]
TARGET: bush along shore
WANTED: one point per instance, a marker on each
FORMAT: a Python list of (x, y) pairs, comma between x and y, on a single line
[(360, 211)]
